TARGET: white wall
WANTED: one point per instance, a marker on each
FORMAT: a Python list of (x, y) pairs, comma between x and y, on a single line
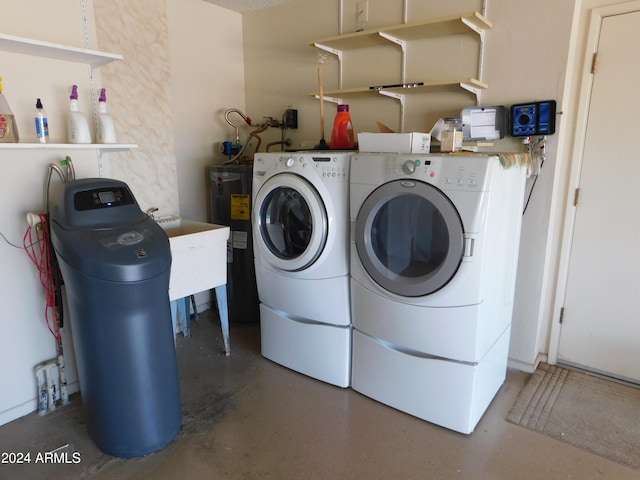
[(166, 96), (516, 74), (205, 82), (25, 340)]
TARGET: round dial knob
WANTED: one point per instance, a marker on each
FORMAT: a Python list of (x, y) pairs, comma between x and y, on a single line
[(290, 161), (409, 167)]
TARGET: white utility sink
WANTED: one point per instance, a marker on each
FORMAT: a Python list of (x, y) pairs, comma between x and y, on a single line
[(198, 255), (198, 263)]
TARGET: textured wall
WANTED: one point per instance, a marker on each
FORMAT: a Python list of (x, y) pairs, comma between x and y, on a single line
[(139, 98)]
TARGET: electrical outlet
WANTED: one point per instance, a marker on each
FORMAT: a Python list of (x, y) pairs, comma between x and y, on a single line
[(362, 12)]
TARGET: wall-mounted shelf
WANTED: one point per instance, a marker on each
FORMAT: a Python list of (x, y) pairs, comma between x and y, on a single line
[(27, 46), (450, 25), (100, 147), (471, 22), (471, 85), (94, 58)]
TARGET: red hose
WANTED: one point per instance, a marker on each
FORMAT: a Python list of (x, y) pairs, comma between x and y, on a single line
[(39, 252)]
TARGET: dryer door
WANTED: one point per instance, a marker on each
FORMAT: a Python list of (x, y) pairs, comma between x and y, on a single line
[(291, 220), (409, 237)]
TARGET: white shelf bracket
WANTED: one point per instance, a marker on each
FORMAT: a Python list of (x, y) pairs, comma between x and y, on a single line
[(403, 46), (337, 53), (333, 51), (396, 40), (335, 100), (401, 98), (472, 89), (474, 27)]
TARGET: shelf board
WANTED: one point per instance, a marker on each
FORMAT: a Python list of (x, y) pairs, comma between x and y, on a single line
[(26, 46), (467, 84), (102, 147), (450, 25)]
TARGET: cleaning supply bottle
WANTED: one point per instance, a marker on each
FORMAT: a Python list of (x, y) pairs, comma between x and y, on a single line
[(78, 128), (342, 134), (106, 132), (8, 129), (42, 123)]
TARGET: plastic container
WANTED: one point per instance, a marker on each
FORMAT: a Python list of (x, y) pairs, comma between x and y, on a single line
[(106, 132), (452, 135), (115, 262), (78, 128), (8, 129), (42, 123), (342, 137)]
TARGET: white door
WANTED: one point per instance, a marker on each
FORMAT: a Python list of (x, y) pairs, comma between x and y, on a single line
[(600, 328)]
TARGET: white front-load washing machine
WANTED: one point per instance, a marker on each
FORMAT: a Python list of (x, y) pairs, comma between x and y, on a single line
[(301, 245), (434, 249)]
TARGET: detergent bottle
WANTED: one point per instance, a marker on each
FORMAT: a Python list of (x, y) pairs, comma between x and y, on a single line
[(342, 137), (8, 129)]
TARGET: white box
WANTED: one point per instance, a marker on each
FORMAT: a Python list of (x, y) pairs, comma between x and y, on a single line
[(413, 142)]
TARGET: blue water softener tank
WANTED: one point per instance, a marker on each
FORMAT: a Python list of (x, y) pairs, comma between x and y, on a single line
[(115, 263)]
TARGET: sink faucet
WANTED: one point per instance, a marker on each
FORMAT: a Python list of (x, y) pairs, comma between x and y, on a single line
[(150, 212)]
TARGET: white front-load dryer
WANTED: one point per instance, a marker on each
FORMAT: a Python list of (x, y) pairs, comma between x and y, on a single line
[(434, 246), (301, 245)]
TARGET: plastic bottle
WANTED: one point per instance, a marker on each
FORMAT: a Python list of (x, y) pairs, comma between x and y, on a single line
[(8, 129), (342, 134), (42, 123), (78, 127), (106, 132), (452, 135)]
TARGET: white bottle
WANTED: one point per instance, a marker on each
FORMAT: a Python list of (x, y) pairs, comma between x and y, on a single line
[(42, 123), (78, 126), (106, 131)]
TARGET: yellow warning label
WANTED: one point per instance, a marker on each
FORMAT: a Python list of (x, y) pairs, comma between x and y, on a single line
[(240, 206)]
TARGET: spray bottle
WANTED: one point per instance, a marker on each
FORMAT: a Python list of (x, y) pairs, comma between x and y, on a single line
[(78, 126), (106, 132), (42, 123), (8, 129)]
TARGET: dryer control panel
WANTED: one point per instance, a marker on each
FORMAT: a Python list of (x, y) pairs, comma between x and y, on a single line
[(418, 167), (459, 172)]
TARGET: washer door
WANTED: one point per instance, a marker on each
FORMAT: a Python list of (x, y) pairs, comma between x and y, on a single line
[(292, 222), (409, 237)]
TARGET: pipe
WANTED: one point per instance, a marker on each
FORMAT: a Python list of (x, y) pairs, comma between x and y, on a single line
[(258, 130), (286, 143), (244, 117)]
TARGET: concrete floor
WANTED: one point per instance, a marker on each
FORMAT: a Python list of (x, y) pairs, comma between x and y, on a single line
[(247, 418)]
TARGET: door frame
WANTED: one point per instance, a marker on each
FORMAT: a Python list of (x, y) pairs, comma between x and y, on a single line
[(576, 145)]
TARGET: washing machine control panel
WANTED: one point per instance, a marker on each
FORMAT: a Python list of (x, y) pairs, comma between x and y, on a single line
[(419, 168), (329, 166)]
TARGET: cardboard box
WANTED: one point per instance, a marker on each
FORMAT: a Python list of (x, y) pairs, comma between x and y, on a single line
[(414, 142)]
